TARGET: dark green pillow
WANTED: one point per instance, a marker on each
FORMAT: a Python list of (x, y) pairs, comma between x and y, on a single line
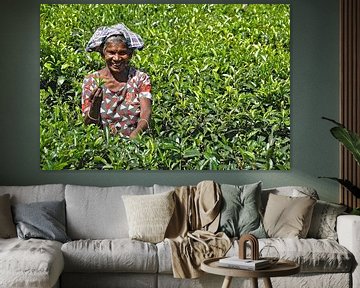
[(44, 220), (240, 213)]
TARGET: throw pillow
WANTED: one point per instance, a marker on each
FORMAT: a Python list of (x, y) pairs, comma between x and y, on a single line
[(287, 217), (323, 222), (7, 226), (240, 213), (149, 215), (44, 220)]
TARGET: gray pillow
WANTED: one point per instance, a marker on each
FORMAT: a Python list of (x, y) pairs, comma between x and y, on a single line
[(240, 213), (7, 226), (323, 222), (44, 220)]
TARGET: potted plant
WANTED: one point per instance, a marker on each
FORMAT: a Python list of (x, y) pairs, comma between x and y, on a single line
[(351, 141)]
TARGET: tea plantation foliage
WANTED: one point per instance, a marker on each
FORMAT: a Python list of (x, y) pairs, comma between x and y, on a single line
[(221, 87)]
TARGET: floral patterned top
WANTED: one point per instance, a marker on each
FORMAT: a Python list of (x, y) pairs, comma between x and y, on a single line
[(120, 110)]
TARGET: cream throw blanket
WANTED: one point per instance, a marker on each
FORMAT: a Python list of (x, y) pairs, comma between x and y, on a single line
[(191, 232)]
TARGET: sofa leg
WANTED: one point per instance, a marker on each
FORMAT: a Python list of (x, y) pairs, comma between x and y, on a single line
[(267, 283), (227, 282), (254, 282)]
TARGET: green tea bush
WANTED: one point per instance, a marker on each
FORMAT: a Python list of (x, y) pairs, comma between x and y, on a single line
[(220, 83)]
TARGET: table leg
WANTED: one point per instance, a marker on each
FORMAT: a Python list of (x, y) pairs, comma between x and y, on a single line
[(254, 282), (227, 282), (267, 283)]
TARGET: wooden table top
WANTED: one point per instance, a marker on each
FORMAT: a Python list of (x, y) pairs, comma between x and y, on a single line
[(281, 268)]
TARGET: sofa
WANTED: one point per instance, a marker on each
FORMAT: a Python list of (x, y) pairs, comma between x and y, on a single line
[(97, 251)]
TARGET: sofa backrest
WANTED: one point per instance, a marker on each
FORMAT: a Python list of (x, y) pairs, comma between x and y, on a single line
[(162, 188), (293, 191), (34, 193), (98, 212)]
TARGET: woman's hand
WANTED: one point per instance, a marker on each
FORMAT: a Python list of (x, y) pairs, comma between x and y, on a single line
[(134, 134), (145, 114), (96, 96), (93, 115)]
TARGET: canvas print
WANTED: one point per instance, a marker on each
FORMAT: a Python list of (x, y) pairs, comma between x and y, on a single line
[(165, 86)]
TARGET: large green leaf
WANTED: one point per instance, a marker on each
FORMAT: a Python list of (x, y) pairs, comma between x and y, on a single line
[(349, 139), (352, 142), (348, 185)]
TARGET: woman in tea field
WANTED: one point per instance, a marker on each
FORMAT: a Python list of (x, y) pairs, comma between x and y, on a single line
[(118, 96)]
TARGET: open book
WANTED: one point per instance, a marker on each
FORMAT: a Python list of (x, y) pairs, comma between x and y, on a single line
[(236, 262)]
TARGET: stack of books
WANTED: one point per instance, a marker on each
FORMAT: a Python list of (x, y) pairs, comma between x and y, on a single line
[(248, 264)]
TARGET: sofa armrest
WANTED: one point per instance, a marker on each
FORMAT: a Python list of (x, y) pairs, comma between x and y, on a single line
[(348, 230)]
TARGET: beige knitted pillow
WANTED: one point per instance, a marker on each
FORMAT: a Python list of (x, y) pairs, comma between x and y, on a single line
[(287, 217), (149, 215)]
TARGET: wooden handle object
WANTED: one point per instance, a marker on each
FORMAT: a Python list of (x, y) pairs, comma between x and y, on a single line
[(254, 245)]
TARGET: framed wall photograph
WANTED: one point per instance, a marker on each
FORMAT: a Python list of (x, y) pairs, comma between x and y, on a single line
[(217, 77)]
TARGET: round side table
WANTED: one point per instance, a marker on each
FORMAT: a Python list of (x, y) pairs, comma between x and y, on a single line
[(281, 268)]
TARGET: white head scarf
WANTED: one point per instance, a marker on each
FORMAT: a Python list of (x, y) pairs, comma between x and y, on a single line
[(133, 40)]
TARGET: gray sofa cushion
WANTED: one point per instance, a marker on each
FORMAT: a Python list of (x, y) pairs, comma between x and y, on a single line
[(163, 188), (34, 193), (313, 255), (164, 257), (98, 212), (116, 255), (30, 263)]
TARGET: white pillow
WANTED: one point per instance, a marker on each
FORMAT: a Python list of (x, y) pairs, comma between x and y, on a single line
[(149, 215)]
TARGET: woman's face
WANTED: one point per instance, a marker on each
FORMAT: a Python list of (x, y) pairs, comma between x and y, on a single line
[(117, 56)]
